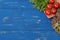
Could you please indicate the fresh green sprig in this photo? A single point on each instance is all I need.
(40, 4)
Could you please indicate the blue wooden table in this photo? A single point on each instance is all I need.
(19, 20)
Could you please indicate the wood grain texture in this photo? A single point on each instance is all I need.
(20, 21)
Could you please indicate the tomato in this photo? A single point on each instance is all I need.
(56, 5)
(53, 11)
(47, 12)
(59, 5)
(52, 1)
(49, 6)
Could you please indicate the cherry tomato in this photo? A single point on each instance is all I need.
(52, 1)
(59, 5)
(53, 11)
(49, 6)
(56, 5)
(47, 12)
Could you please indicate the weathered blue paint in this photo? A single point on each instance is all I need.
(20, 21)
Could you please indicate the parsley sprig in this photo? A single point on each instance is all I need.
(40, 4)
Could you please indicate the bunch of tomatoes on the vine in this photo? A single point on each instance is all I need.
(51, 8)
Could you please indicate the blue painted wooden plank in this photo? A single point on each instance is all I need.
(20, 21)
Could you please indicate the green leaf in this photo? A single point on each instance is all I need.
(40, 4)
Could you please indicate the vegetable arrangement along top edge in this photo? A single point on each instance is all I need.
(49, 7)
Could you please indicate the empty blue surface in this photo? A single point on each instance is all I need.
(20, 21)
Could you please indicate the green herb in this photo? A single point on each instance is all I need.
(40, 4)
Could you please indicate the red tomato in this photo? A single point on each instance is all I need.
(56, 5)
(53, 11)
(59, 5)
(52, 1)
(49, 6)
(47, 12)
